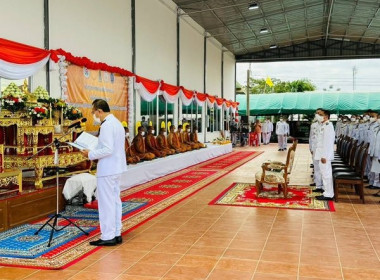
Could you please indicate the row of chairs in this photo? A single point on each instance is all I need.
(349, 165)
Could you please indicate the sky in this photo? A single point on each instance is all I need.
(324, 74)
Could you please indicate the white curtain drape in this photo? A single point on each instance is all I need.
(144, 93)
(13, 71)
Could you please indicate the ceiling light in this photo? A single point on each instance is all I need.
(264, 30)
(273, 46)
(253, 6)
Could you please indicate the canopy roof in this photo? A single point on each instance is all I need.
(308, 102)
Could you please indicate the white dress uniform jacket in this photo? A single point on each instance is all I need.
(110, 150)
(313, 136)
(281, 128)
(325, 142)
(267, 127)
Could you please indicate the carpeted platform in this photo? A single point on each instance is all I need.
(149, 200)
(299, 197)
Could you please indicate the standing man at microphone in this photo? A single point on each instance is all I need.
(112, 163)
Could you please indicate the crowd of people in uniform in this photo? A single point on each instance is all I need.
(365, 129)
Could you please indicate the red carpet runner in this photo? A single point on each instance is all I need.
(244, 194)
(159, 195)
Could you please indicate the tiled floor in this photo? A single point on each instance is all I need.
(196, 241)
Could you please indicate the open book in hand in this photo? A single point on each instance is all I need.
(85, 141)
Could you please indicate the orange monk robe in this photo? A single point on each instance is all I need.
(194, 139)
(186, 140)
(131, 157)
(182, 142)
(151, 146)
(162, 145)
(138, 147)
(174, 143)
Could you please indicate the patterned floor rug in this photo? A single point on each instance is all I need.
(299, 197)
(150, 199)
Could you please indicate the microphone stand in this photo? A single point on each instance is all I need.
(57, 215)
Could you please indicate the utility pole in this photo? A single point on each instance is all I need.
(354, 71)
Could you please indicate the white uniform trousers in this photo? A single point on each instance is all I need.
(317, 175)
(285, 142)
(269, 134)
(280, 139)
(259, 136)
(327, 178)
(374, 173)
(109, 203)
(368, 166)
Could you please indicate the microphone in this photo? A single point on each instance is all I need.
(77, 124)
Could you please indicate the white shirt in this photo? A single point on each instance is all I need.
(282, 128)
(110, 150)
(363, 127)
(372, 132)
(267, 127)
(325, 142)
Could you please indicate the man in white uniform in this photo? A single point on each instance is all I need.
(267, 130)
(281, 133)
(325, 153)
(287, 130)
(313, 138)
(112, 163)
(373, 127)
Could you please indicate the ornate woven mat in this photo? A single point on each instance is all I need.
(299, 197)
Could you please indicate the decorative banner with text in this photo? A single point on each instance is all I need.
(84, 86)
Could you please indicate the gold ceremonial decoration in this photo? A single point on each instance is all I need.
(28, 140)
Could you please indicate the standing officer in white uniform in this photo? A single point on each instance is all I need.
(112, 163)
(325, 154)
(287, 130)
(281, 133)
(313, 138)
(266, 131)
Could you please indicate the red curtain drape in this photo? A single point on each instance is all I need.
(19, 53)
(151, 86)
(187, 93)
(170, 89)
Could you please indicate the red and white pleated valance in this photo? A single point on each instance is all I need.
(19, 61)
(187, 96)
(200, 98)
(219, 103)
(147, 89)
(169, 92)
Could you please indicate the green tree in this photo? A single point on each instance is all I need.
(258, 86)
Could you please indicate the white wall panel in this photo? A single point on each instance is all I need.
(213, 68)
(156, 48)
(229, 76)
(191, 55)
(97, 29)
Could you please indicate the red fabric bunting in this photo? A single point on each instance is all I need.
(219, 101)
(201, 96)
(84, 61)
(211, 98)
(188, 93)
(234, 104)
(170, 89)
(228, 103)
(151, 86)
(14, 52)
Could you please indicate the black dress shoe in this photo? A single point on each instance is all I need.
(279, 149)
(321, 197)
(100, 242)
(318, 190)
(376, 194)
(373, 187)
(118, 239)
(312, 185)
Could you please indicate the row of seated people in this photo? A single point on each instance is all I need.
(151, 147)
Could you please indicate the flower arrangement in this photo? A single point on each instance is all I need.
(13, 98)
(38, 112)
(41, 94)
(72, 113)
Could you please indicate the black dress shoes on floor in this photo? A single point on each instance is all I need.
(118, 239)
(100, 242)
(318, 190)
(321, 197)
(312, 185)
